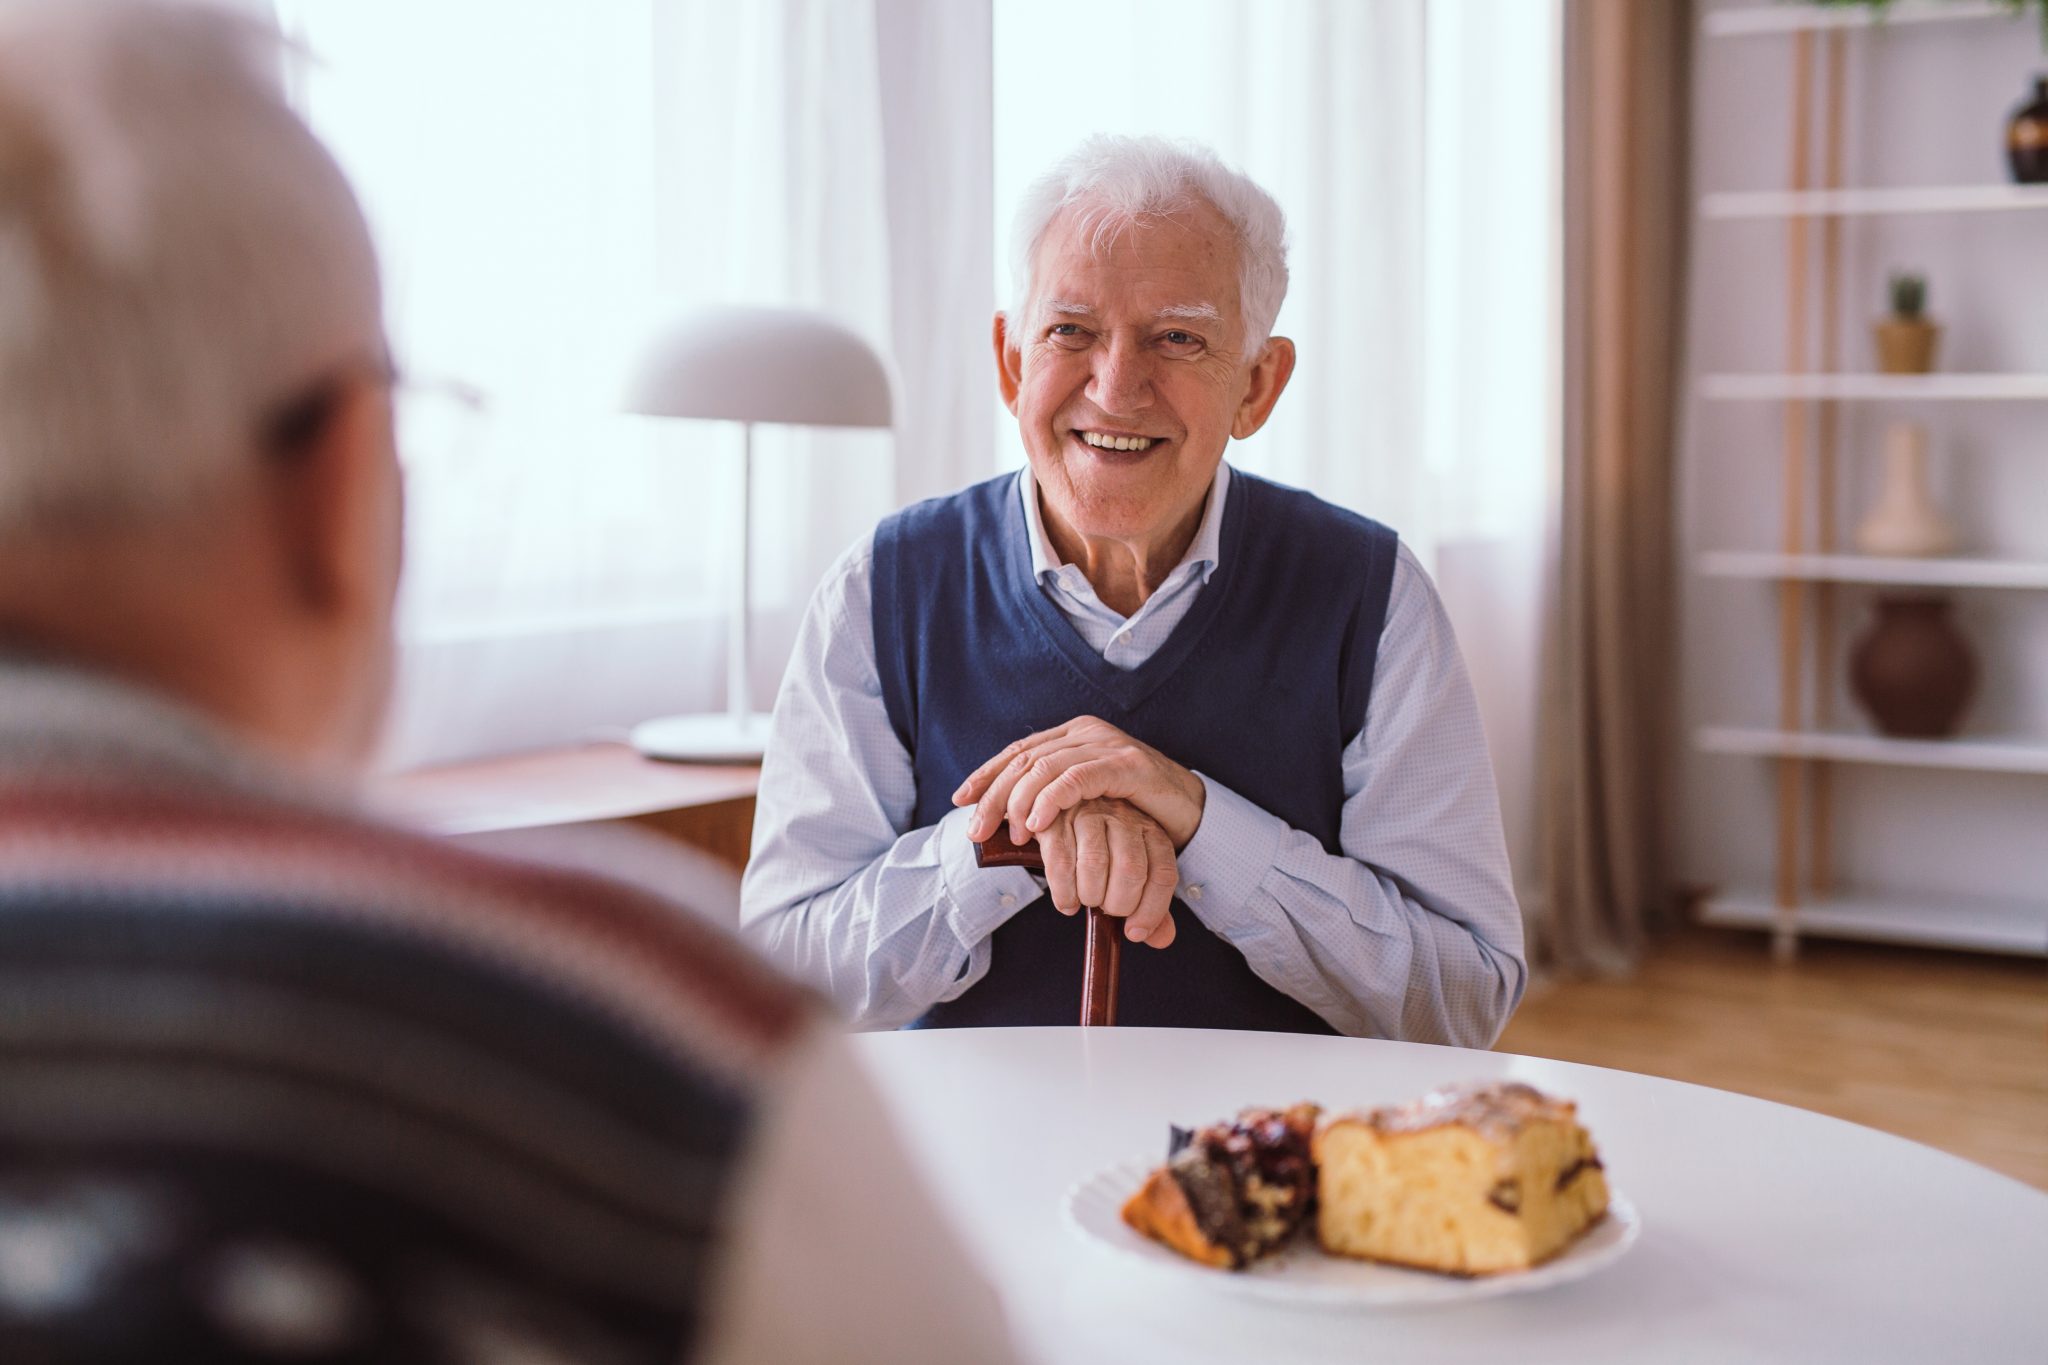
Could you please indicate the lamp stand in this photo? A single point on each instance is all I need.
(741, 734)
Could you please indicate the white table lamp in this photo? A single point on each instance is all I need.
(750, 365)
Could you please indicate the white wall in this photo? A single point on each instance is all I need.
(1926, 104)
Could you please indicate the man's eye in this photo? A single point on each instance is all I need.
(1066, 333)
(1181, 339)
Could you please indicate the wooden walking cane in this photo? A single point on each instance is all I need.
(1104, 954)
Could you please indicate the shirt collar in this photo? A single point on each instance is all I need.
(1204, 551)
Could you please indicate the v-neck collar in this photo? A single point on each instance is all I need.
(1126, 688)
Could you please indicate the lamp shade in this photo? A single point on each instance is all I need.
(782, 365)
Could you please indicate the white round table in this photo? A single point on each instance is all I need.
(1769, 1233)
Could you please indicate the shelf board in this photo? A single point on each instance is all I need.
(1754, 21)
(1854, 203)
(1927, 573)
(1986, 925)
(1990, 755)
(1875, 387)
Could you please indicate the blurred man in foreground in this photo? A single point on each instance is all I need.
(277, 1082)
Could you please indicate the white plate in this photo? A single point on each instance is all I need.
(1302, 1276)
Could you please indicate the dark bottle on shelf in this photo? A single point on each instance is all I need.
(2026, 138)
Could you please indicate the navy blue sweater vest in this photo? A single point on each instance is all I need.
(1260, 686)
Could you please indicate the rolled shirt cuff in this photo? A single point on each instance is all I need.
(1228, 859)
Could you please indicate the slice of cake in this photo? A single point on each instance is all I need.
(1468, 1181)
(1231, 1192)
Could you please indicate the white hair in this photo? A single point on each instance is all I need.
(179, 257)
(1114, 181)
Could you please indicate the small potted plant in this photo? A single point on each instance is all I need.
(1906, 339)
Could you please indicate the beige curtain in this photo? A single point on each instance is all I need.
(1608, 656)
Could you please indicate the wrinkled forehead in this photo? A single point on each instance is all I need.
(1180, 262)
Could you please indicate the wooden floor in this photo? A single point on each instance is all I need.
(1949, 1049)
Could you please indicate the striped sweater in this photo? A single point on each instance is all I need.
(279, 1082)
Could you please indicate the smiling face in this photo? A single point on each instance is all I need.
(1128, 373)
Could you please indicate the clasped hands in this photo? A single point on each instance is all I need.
(1109, 813)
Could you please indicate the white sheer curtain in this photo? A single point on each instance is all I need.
(1493, 424)
(1412, 145)
(548, 181)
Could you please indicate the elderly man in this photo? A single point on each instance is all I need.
(1229, 713)
(277, 1082)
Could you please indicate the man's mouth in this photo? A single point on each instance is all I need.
(1105, 440)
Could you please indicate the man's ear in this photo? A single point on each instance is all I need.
(335, 499)
(1270, 373)
(1009, 364)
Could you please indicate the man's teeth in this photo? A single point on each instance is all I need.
(1117, 442)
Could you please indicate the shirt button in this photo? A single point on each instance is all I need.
(1006, 900)
(1194, 891)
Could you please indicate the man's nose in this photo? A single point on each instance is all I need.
(1122, 381)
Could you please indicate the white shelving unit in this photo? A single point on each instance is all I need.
(1877, 388)
(1874, 569)
(1961, 755)
(1767, 204)
(1808, 742)
(1769, 20)
(1933, 920)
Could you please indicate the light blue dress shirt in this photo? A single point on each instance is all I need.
(1411, 932)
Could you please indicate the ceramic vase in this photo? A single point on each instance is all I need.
(2026, 137)
(1912, 670)
(1905, 521)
